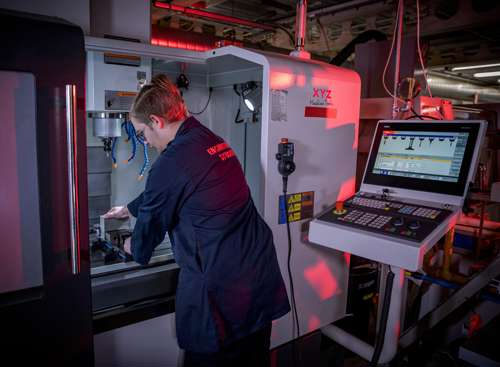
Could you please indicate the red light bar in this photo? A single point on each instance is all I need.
(213, 16)
(192, 46)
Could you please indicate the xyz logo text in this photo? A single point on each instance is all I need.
(322, 93)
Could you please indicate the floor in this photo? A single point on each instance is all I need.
(314, 350)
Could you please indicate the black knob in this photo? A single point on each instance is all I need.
(414, 225)
(398, 222)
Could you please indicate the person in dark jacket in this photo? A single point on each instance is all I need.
(230, 287)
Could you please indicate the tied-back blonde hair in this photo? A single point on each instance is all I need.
(160, 97)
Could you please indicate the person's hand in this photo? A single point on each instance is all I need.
(117, 212)
(126, 246)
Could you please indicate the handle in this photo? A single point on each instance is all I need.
(73, 197)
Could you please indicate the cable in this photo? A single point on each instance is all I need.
(421, 117)
(419, 49)
(288, 33)
(323, 32)
(237, 119)
(390, 55)
(292, 289)
(379, 343)
(349, 49)
(295, 317)
(245, 133)
(208, 101)
(424, 72)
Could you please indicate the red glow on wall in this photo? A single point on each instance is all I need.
(347, 258)
(321, 279)
(346, 189)
(344, 98)
(397, 328)
(401, 278)
(281, 80)
(301, 80)
(314, 323)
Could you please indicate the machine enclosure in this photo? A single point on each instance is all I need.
(316, 107)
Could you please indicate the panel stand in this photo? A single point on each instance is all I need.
(392, 331)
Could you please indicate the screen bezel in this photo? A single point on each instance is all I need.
(410, 183)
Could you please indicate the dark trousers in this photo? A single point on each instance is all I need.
(250, 351)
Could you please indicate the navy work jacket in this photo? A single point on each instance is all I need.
(230, 283)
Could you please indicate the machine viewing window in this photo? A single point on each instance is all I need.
(426, 156)
(21, 247)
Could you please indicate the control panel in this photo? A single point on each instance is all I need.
(377, 214)
(427, 166)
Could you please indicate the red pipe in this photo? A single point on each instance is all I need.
(213, 16)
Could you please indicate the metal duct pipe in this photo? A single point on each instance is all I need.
(446, 86)
(348, 50)
(300, 25)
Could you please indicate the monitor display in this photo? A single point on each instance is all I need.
(425, 156)
(421, 154)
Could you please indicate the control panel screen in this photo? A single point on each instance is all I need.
(424, 155)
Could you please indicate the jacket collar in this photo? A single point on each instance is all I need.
(187, 125)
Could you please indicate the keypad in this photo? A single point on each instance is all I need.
(407, 209)
(391, 218)
(380, 221)
(427, 213)
(366, 218)
(370, 203)
(352, 216)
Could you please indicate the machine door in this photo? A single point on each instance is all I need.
(45, 302)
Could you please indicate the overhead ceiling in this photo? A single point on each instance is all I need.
(455, 32)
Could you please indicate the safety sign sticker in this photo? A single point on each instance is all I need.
(300, 206)
(279, 105)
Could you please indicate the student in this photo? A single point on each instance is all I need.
(230, 286)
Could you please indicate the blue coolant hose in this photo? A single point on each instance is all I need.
(113, 156)
(129, 128)
(132, 136)
(146, 158)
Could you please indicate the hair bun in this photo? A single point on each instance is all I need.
(161, 81)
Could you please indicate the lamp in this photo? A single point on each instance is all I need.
(252, 95)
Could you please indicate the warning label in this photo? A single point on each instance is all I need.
(279, 105)
(118, 100)
(300, 206)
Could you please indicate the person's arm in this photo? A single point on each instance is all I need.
(155, 214)
(133, 206)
